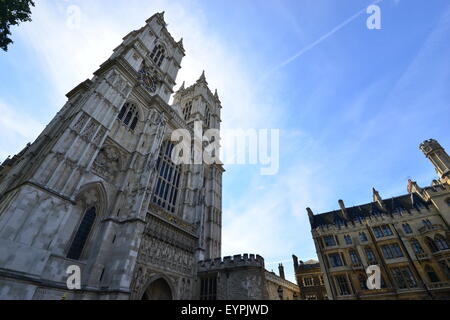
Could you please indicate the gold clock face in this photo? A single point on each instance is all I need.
(148, 80)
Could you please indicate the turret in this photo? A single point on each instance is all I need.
(438, 157)
(310, 216)
(281, 270)
(377, 199)
(295, 260)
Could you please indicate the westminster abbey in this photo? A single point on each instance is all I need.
(98, 190)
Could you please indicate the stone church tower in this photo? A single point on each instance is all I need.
(97, 189)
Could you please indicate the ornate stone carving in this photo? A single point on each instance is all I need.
(107, 163)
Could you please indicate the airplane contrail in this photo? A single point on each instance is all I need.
(322, 38)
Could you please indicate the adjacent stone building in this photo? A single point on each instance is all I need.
(310, 279)
(242, 277)
(407, 237)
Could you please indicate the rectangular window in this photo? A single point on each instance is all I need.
(348, 239)
(342, 285)
(377, 231)
(335, 260)
(407, 228)
(387, 253)
(370, 255)
(386, 230)
(404, 278)
(329, 241)
(382, 231)
(392, 251)
(308, 282)
(355, 258)
(208, 288)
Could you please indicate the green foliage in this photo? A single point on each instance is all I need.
(12, 12)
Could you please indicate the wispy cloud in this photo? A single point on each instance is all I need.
(16, 129)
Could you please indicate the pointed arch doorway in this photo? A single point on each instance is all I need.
(158, 290)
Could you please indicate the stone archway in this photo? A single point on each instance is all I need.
(158, 290)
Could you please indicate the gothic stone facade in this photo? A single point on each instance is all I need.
(97, 188)
(407, 237)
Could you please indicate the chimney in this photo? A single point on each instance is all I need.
(295, 259)
(281, 270)
(343, 209)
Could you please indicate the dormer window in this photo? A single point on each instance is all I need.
(157, 55)
(129, 115)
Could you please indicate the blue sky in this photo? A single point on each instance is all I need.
(352, 108)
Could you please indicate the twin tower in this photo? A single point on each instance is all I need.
(98, 190)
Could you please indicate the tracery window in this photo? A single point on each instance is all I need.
(167, 187)
(157, 54)
(82, 234)
(129, 115)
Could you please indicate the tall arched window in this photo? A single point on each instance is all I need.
(207, 116)
(441, 242)
(84, 229)
(167, 186)
(157, 54)
(129, 115)
(187, 110)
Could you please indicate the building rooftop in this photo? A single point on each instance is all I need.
(404, 203)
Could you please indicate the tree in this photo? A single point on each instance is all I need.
(12, 12)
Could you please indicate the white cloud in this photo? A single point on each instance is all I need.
(16, 129)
